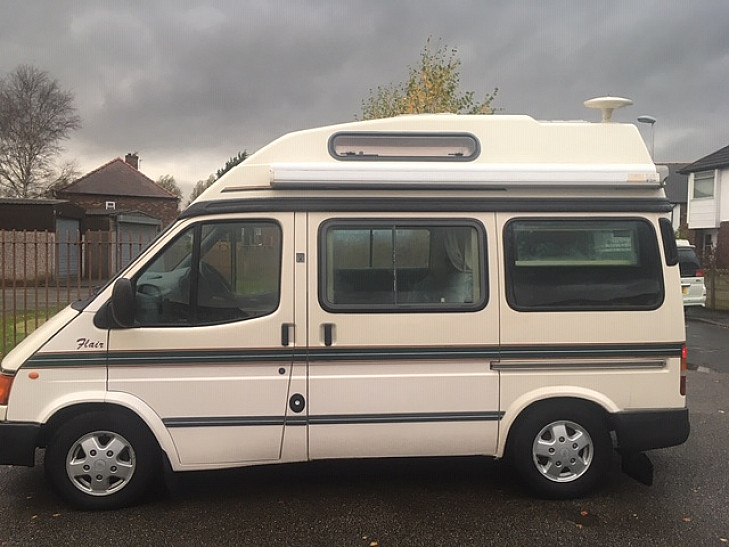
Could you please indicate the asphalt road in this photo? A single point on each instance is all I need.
(467, 501)
(708, 345)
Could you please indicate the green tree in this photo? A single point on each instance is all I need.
(169, 183)
(432, 86)
(232, 162)
(200, 187)
(35, 116)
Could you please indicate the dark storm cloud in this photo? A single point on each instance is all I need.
(188, 84)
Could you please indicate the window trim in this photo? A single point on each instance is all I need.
(406, 307)
(508, 252)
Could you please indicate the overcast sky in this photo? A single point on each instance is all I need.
(188, 84)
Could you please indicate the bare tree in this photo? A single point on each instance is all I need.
(62, 176)
(35, 116)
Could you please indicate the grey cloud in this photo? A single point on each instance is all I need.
(188, 84)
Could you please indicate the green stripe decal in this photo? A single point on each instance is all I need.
(339, 419)
(169, 357)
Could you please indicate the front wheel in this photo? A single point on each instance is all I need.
(100, 460)
(561, 449)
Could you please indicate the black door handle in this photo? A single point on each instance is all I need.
(328, 331)
(285, 333)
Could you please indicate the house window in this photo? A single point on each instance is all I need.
(704, 184)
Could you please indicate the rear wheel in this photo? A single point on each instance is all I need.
(101, 460)
(561, 449)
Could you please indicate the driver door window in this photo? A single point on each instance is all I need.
(212, 273)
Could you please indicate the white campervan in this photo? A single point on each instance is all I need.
(414, 286)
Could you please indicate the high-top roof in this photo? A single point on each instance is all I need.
(427, 150)
(117, 178)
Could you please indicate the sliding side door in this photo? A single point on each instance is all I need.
(403, 327)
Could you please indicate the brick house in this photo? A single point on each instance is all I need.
(120, 186)
(708, 205)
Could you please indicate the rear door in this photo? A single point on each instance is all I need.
(403, 327)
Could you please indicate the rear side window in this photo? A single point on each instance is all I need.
(688, 262)
(402, 266)
(570, 265)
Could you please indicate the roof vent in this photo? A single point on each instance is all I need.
(607, 105)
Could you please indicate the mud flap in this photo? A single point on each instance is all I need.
(171, 479)
(638, 466)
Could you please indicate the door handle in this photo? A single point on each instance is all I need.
(285, 333)
(328, 333)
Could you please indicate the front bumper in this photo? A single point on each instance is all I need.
(638, 431)
(17, 443)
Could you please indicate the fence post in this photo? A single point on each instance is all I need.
(2, 292)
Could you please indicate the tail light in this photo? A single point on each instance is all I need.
(684, 368)
(5, 382)
(699, 273)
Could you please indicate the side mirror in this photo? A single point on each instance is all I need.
(669, 242)
(121, 306)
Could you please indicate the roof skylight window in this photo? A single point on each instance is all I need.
(383, 146)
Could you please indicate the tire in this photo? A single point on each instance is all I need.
(102, 460)
(561, 449)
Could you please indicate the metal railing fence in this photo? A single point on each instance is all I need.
(42, 272)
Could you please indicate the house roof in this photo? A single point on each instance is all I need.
(117, 178)
(32, 201)
(715, 160)
(676, 184)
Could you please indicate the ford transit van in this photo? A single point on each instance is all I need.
(429, 285)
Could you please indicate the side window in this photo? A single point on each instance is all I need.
(162, 289)
(212, 273)
(403, 266)
(563, 265)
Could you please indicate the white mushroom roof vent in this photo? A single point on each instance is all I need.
(607, 105)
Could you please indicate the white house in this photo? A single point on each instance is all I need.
(708, 205)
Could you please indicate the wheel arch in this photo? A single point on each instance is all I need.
(121, 404)
(594, 401)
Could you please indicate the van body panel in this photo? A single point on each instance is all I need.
(37, 339)
(69, 367)
(79, 343)
(202, 380)
(615, 387)
(52, 393)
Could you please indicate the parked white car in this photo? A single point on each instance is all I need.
(692, 275)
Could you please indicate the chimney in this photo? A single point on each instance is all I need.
(132, 159)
